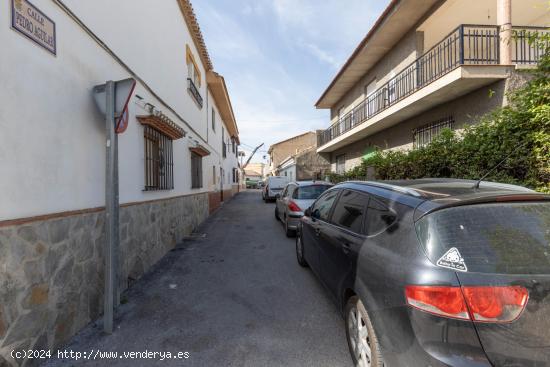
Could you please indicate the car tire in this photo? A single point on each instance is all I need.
(300, 252)
(362, 340)
(288, 232)
(277, 213)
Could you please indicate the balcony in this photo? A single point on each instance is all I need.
(194, 91)
(465, 60)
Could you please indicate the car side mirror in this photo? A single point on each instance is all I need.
(307, 213)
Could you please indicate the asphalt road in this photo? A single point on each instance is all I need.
(236, 297)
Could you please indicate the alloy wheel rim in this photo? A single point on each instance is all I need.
(359, 338)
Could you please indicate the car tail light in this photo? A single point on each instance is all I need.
(293, 207)
(482, 304)
(495, 304)
(443, 301)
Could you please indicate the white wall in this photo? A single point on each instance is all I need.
(483, 12)
(150, 37)
(289, 171)
(52, 140)
(216, 158)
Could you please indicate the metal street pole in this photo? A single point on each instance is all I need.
(111, 208)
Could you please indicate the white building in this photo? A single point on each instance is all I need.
(173, 170)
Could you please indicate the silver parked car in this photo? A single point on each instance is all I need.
(295, 199)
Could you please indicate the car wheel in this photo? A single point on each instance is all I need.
(300, 252)
(362, 341)
(288, 232)
(276, 213)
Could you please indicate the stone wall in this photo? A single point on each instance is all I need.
(51, 270)
(311, 166)
(214, 201)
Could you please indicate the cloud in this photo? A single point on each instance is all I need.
(323, 55)
(277, 57)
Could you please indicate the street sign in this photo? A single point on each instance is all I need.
(28, 20)
(123, 93)
(112, 100)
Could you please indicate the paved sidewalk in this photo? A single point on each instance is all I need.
(236, 297)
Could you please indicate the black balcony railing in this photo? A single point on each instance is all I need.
(466, 45)
(524, 49)
(194, 92)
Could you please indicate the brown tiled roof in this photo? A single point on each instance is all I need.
(195, 30)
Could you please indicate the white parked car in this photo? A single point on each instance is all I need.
(273, 185)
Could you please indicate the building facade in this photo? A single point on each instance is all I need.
(177, 156)
(427, 65)
(304, 165)
(280, 151)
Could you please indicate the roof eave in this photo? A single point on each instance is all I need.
(217, 86)
(196, 34)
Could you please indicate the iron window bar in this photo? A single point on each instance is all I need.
(425, 134)
(467, 44)
(192, 88)
(159, 163)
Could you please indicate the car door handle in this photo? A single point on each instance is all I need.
(346, 248)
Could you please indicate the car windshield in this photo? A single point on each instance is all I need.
(506, 238)
(309, 192)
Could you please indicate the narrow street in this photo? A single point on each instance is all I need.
(235, 297)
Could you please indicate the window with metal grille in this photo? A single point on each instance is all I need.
(196, 171)
(425, 134)
(159, 162)
(213, 119)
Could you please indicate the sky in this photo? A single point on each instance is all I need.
(277, 58)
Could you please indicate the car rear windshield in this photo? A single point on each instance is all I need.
(505, 238)
(309, 192)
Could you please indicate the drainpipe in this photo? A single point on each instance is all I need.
(504, 20)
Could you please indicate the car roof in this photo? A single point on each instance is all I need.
(311, 182)
(437, 193)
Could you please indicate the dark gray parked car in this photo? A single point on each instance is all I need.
(435, 272)
(295, 198)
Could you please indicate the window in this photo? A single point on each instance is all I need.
(224, 149)
(196, 171)
(370, 88)
(290, 191)
(505, 238)
(159, 173)
(193, 72)
(349, 210)
(213, 175)
(193, 77)
(309, 192)
(340, 113)
(379, 217)
(341, 163)
(233, 145)
(425, 134)
(391, 88)
(213, 119)
(321, 208)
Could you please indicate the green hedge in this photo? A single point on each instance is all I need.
(521, 129)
